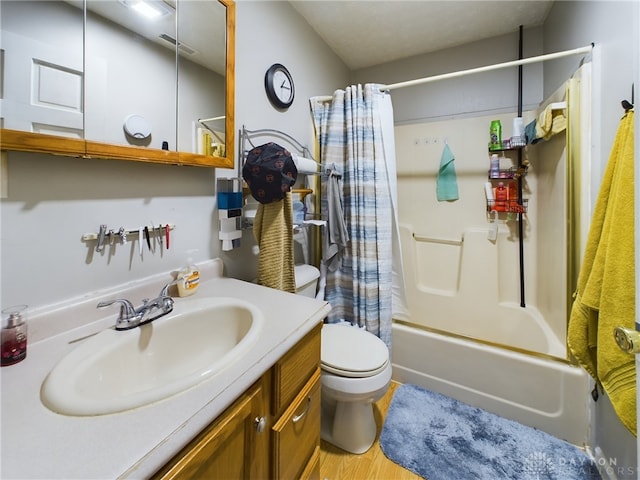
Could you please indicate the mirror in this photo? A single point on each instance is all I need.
(201, 77)
(130, 75)
(42, 79)
(189, 109)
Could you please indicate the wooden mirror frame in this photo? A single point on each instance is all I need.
(15, 140)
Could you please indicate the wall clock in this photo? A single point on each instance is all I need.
(278, 84)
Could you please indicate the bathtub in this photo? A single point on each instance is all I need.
(539, 391)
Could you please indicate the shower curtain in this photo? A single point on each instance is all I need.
(356, 137)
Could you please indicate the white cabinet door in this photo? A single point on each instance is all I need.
(42, 87)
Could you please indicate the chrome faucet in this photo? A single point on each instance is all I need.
(131, 317)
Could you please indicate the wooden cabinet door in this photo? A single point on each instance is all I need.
(233, 447)
(296, 435)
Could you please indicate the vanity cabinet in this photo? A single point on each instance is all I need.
(270, 431)
(235, 445)
(296, 410)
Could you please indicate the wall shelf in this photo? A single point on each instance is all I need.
(509, 206)
(512, 173)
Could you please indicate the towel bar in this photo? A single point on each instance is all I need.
(444, 241)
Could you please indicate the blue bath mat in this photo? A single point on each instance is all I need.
(440, 438)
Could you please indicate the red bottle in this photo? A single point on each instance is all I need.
(502, 198)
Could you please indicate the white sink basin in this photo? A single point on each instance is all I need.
(115, 371)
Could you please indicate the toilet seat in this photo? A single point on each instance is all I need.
(350, 352)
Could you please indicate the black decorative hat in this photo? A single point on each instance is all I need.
(270, 172)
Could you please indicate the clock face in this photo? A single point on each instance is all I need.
(279, 86)
(282, 85)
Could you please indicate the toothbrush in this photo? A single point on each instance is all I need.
(160, 237)
(153, 232)
(146, 236)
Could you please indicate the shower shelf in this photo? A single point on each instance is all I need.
(509, 173)
(507, 148)
(510, 206)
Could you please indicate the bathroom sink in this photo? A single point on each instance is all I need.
(115, 371)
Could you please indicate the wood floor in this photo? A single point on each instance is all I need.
(336, 464)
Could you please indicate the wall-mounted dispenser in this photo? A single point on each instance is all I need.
(229, 195)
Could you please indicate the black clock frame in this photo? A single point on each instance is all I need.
(270, 87)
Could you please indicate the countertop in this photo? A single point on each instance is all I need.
(38, 443)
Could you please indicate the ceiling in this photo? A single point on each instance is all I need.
(364, 33)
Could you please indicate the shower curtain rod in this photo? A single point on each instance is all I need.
(497, 66)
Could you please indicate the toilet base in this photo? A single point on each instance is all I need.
(350, 426)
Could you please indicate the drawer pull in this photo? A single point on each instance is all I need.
(260, 423)
(297, 418)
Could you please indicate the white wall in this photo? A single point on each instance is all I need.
(480, 94)
(612, 26)
(267, 33)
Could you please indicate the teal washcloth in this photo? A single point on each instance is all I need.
(447, 184)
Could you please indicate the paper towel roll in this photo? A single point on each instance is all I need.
(305, 165)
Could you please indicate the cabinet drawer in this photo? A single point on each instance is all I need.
(297, 433)
(293, 370)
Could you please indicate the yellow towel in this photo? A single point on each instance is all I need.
(605, 297)
(273, 229)
(550, 122)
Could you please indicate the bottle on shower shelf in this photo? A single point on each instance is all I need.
(494, 168)
(495, 135)
(501, 198)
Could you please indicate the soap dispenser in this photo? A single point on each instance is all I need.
(14, 335)
(188, 279)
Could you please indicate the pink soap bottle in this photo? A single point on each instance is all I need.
(14, 335)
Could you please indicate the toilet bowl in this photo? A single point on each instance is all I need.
(355, 372)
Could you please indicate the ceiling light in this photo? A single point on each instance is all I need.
(148, 8)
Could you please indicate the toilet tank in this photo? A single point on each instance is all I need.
(306, 280)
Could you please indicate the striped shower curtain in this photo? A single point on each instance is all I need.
(355, 132)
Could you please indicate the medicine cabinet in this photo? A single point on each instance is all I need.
(77, 74)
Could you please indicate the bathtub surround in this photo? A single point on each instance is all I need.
(441, 438)
(605, 297)
(355, 131)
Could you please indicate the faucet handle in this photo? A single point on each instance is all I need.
(127, 310)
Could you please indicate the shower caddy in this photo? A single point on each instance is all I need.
(519, 206)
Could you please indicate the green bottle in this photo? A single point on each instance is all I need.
(495, 135)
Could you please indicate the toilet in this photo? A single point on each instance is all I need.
(355, 372)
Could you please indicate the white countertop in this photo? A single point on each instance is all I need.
(37, 443)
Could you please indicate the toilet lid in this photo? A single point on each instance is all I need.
(350, 352)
